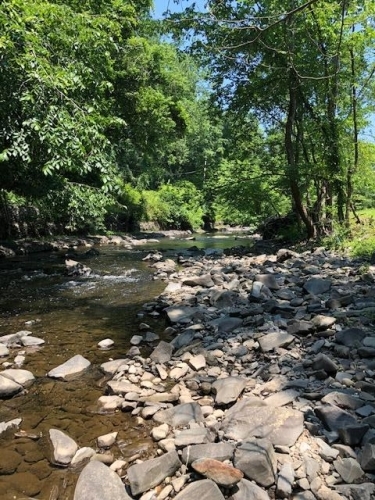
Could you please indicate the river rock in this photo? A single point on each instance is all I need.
(30, 341)
(64, 447)
(282, 426)
(350, 337)
(285, 481)
(162, 352)
(82, 455)
(99, 482)
(105, 343)
(334, 418)
(74, 366)
(274, 340)
(111, 367)
(177, 314)
(146, 475)
(228, 389)
(4, 426)
(204, 280)
(21, 377)
(123, 387)
(193, 436)
(349, 469)
(317, 286)
(364, 491)
(343, 400)
(256, 458)
(323, 362)
(180, 415)
(74, 268)
(222, 474)
(107, 440)
(8, 387)
(4, 351)
(218, 451)
(368, 457)
(246, 490)
(204, 490)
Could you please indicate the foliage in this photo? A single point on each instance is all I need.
(177, 206)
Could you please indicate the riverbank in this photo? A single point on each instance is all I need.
(262, 387)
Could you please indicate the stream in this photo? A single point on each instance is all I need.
(72, 315)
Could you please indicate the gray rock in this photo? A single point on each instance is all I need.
(284, 254)
(352, 434)
(326, 452)
(204, 280)
(4, 351)
(364, 491)
(246, 490)
(228, 389)
(204, 490)
(180, 415)
(218, 451)
(317, 286)
(343, 400)
(274, 340)
(285, 481)
(29, 341)
(368, 457)
(269, 280)
(111, 367)
(334, 418)
(179, 313)
(282, 398)
(146, 475)
(194, 436)
(74, 366)
(282, 426)
(226, 324)
(162, 352)
(296, 327)
(183, 339)
(323, 362)
(322, 322)
(351, 337)
(99, 482)
(8, 387)
(256, 458)
(64, 447)
(349, 469)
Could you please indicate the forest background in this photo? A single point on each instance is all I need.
(112, 116)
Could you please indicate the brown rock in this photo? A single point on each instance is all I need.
(220, 473)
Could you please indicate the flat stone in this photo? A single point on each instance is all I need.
(197, 362)
(82, 455)
(21, 377)
(325, 451)
(228, 389)
(204, 490)
(99, 482)
(146, 475)
(274, 340)
(334, 418)
(269, 280)
(322, 322)
(105, 343)
(256, 458)
(194, 436)
(204, 280)
(4, 426)
(296, 327)
(107, 440)
(226, 324)
(364, 491)
(177, 314)
(282, 426)
(122, 387)
(323, 362)
(368, 457)
(349, 469)
(282, 398)
(111, 367)
(317, 286)
(110, 403)
(64, 447)
(343, 400)
(162, 352)
(8, 387)
(30, 341)
(352, 434)
(218, 451)
(180, 415)
(74, 366)
(351, 337)
(222, 474)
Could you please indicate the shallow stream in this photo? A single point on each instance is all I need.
(72, 315)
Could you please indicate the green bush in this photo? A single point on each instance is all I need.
(175, 206)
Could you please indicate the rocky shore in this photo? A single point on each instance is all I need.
(262, 387)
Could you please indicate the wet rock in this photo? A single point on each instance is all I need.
(222, 474)
(82, 455)
(107, 440)
(204, 490)
(21, 377)
(257, 460)
(111, 367)
(105, 343)
(8, 387)
(282, 426)
(228, 389)
(9, 461)
(71, 368)
(4, 426)
(218, 451)
(74, 268)
(30, 341)
(146, 475)
(98, 482)
(122, 387)
(64, 447)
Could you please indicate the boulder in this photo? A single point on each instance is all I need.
(204, 490)
(71, 368)
(64, 447)
(256, 458)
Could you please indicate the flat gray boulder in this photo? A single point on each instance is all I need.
(217, 451)
(317, 286)
(256, 458)
(74, 366)
(99, 482)
(282, 426)
(228, 389)
(204, 490)
(180, 415)
(148, 474)
(274, 340)
(179, 313)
